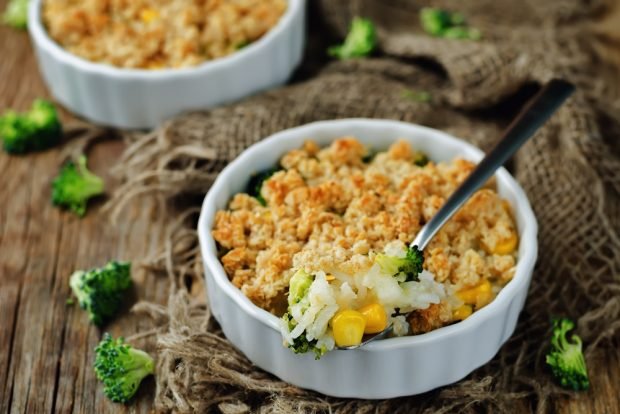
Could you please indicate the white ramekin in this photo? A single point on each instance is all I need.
(389, 368)
(132, 98)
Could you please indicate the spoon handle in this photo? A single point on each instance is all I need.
(532, 117)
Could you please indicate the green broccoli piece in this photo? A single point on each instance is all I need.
(360, 41)
(255, 184)
(298, 286)
(442, 23)
(566, 358)
(121, 368)
(16, 14)
(420, 159)
(100, 291)
(462, 33)
(35, 130)
(410, 266)
(301, 345)
(417, 96)
(435, 21)
(75, 185)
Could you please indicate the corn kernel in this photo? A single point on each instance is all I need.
(348, 327)
(149, 15)
(329, 278)
(506, 246)
(476, 294)
(376, 318)
(462, 312)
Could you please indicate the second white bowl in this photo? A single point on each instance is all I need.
(133, 98)
(383, 369)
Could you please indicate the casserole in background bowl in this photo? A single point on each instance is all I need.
(383, 369)
(139, 98)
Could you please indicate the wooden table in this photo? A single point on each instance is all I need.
(46, 347)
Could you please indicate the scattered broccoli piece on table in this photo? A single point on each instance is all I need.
(100, 291)
(75, 185)
(34, 130)
(255, 184)
(121, 368)
(442, 23)
(410, 265)
(566, 358)
(360, 41)
(417, 96)
(16, 14)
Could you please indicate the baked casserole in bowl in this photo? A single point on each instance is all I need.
(319, 252)
(133, 65)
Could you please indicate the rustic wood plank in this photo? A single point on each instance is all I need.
(46, 347)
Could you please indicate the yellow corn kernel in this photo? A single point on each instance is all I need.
(485, 294)
(506, 246)
(148, 15)
(470, 296)
(329, 278)
(348, 327)
(462, 312)
(376, 318)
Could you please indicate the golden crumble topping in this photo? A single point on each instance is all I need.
(333, 208)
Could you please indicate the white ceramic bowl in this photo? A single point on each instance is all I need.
(133, 98)
(387, 368)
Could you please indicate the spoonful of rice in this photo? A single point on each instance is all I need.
(529, 120)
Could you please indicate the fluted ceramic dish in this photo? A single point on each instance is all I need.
(386, 368)
(137, 98)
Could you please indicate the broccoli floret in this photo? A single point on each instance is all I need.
(121, 368)
(255, 184)
(298, 286)
(301, 345)
(360, 41)
(442, 23)
(410, 265)
(420, 159)
(16, 14)
(35, 130)
(435, 21)
(566, 358)
(75, 185)
(100, 291)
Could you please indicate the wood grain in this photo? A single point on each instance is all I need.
(46, 347)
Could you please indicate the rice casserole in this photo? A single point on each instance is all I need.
(157, 34)
(334, 212)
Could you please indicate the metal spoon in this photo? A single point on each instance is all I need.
(529, 120)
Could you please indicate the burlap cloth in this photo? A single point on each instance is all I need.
(570, 171)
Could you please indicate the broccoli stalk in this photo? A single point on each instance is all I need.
(256, 182)
(16, 14)
(566, 358)
(75, 185)
(121, 368)
(360, 41)
(100, 291)
(410, 265)
(35, 130)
